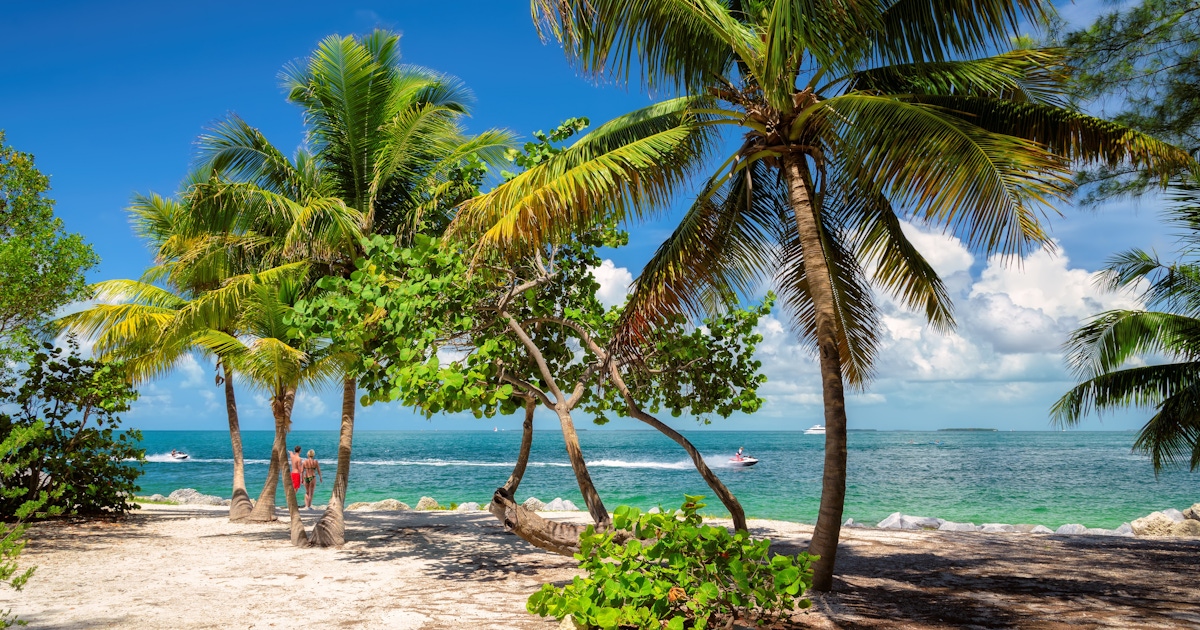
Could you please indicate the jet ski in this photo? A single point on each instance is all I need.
(744, 462)
(179, 455)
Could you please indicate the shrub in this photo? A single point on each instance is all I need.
(78, 458)
(672, 571)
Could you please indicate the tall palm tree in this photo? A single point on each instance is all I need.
(855, 114)
(1100, 351)
(388, 143)
(272, 359)
(132, 316)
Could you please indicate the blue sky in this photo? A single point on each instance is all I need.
(110, 97)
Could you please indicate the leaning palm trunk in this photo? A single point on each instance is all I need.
(833, 487)
(330, 531)
(514, 480)
(582, 477)
(239, 505)
(282, 406)
(264, 508)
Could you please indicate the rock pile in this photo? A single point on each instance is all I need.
(1170, 522)
(427, 503)
(191, 496)
(384, 505)
(469, 506)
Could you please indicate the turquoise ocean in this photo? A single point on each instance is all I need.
(1050, 478)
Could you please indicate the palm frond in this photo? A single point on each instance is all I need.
(1022, 75)
(989, 188)
(1107, 341)
(1143, 387)
(943, 30)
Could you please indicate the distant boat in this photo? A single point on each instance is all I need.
(495, 429)
(178, 455)
(816, 429)
(744, 462)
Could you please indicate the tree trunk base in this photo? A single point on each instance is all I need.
(330, 530)
(264, 515)
(555, 537)
(240, 506)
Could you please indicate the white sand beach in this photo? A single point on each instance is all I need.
(189, 567)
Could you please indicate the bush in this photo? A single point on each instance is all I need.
(675, 572)
(77, 460)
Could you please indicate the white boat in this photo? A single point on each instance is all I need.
(179, 455)
(744, 462)
(816, 429)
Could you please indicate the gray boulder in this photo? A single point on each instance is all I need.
(427, 503)
(1174, 515)
(949, 526)
(361, 505)
(1125, 529)
(997, 528)
(469, 506)
(1041, 529)
(558, 505)
(1073, 528)
(892, 521)
(156, 497)
(190, 496)
(532, 503)
(394, 505)
(1153, 524)
(1100, 531)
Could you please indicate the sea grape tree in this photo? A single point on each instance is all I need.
(440, 332)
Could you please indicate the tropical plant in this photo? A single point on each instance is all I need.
(670, 570)
(42, 266)
(268, 354)
(140, 322)
(16, 455)
(390, 156)
(1109, 352)
(533, 331)
(856, 116)
(73, 456)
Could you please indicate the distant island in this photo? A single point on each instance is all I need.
(968, 429)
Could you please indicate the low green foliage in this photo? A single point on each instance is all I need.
(675, 572)
(79, 461)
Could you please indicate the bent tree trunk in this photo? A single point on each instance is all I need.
(514, 480)
(239, 505)
(575, 454)
(727, 499)
(281, 406)
(330, 531)
(820, 286)
(264, 508)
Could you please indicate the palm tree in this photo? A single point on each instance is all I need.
(130, 321)
(269, 357)
(388, 149)
(1100, 351)
(855, 114)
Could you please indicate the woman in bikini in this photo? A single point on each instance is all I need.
(312, 470)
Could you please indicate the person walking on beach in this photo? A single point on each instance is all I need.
(312, 469)
(297, 465)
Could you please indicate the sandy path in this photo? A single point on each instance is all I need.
(188, 567)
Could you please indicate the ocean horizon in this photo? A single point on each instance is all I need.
(1038, 477)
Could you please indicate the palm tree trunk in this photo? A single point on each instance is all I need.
(282, 406)
(514, 480)
(575, 454)
(833, 483)
(239, 505)
(330, 531)
(264, 508)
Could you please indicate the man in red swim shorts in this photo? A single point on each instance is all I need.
(297, 464)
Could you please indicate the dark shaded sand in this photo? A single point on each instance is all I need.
(188, 567)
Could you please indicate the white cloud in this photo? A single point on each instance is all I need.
(193, 374)
(614, 283)
(309, 405)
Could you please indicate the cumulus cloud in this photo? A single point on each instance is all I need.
(193, 374)
(614, 283)
(1013, 317)
(309, 405)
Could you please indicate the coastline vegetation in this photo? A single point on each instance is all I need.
(397, 256)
